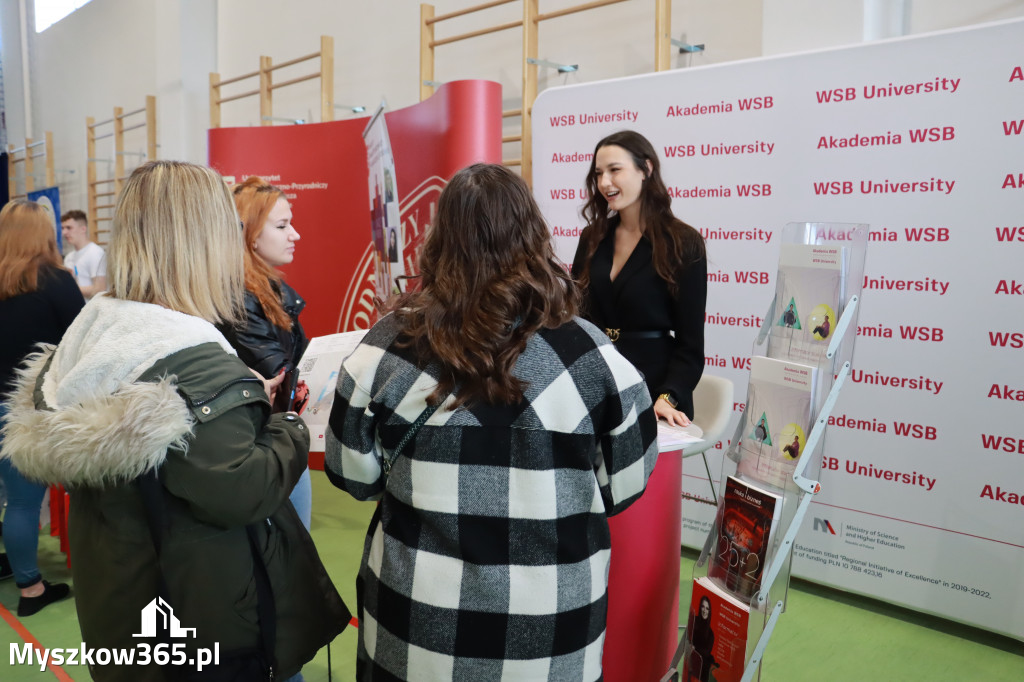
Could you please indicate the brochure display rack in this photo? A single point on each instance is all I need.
(800, 360)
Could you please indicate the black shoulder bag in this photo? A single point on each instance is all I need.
(410, 433)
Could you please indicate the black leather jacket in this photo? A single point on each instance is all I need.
(262, 345)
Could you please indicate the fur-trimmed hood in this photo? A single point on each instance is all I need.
(89, 421)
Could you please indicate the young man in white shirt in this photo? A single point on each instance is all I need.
(88, 262)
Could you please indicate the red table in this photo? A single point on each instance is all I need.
(643, 580)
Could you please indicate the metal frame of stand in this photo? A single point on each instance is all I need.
(805, 488)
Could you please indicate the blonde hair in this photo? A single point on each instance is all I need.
(28, 241)
(176, 242)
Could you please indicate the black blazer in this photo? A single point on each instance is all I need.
(639, 300)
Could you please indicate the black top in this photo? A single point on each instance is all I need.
(40, 316)
(265, 347)
(703, 640)
(639, 300)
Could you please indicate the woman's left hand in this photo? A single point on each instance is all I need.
(270, 385)
(670, 414)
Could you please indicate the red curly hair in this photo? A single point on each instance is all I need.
(254, 199)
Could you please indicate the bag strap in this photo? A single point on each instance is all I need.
(410, 433)
(266, 608)
(266, 611)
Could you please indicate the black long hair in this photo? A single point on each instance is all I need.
(675, 244)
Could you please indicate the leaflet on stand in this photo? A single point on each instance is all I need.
(746, 523)
(776, 420)
(716, 634)
(808, 301)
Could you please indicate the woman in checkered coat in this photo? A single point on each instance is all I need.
(488, 556)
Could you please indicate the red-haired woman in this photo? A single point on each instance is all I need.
(490, 557)
(643, 272)
(271, 340)
(38, 301)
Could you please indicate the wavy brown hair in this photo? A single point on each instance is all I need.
(674, 243)
(254, 199)
(489, 281)
(28, 241)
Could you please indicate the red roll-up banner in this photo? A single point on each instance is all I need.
(323, 170)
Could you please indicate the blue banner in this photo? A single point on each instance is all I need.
(50, 198)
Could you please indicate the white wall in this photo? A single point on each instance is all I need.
(112, 53)
(186, 52)
(115, 52)
(936, 15)
(95, 59)
(799, 25)
(377, 46)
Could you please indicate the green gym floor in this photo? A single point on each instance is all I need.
(825, 635)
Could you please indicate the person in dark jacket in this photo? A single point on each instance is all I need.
(178, 472)
(643, 272)
(702, 642)
(271, 340)
(38, 300)
(393, 245)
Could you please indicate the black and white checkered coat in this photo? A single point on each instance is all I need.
(490, 561)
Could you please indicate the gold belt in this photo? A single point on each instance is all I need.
(645, 334)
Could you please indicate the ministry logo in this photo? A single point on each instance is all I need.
(824, 526)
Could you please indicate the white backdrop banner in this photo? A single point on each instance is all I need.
(922, 138)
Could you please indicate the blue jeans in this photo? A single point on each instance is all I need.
(302, 499)
(21, 523)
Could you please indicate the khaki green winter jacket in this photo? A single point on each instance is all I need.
(201, 419)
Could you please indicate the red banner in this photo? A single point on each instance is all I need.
(322, 168)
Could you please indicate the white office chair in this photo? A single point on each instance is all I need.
(712, 407)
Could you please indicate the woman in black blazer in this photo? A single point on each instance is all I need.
(643, 272)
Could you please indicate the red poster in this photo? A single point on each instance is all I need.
(322, 168)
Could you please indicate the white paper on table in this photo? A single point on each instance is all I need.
(672, 437)
(319, 368)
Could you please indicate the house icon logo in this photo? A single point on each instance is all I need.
(158, 616)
